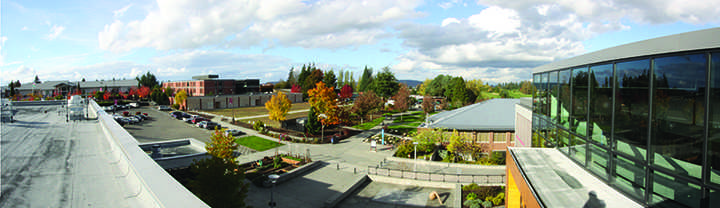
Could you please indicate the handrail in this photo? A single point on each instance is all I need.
(444, 177)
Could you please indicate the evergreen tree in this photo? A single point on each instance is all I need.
(366, 80)
(304, 73)
(37, 80)
(329, 79)
(147, 80)
(385, 84)
(291, 80)
(341, 78)
(312, 126)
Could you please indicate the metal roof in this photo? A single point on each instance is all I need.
(696, 40)
(46, 85)
(491, 115)
(109, 83)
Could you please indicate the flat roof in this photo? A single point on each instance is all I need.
(560, 182)
(689, 41)
(490, 115)
(50, 162)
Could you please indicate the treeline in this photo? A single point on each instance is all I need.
(383, 83)
(460, 92)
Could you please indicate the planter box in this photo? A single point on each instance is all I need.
(290, 161)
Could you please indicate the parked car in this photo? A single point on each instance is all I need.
(198, 119)
(164, 108)
(211, 125)
(189, 118)
(134, 105)
(201, 124)
(234, 132)
(139, 117)
(176, 114)
(185, 115)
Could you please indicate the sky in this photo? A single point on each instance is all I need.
(495, 41)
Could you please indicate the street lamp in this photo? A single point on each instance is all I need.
(415, 164)
(273, 179)
(322, 131)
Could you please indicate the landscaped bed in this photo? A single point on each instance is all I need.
(258, 171)
(482, 196)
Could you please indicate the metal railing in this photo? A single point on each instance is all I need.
(438, 177)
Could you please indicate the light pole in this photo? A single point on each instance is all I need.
(415, 163)
(322, 131)
(273, 179)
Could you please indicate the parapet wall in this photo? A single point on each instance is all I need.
(154, 185)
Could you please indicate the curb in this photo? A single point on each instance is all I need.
(338, 197)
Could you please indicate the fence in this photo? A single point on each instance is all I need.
(438, 177)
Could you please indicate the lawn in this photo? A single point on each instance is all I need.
(276, 124)
(254, 111)
(403, 129)
(369, 125)
(257, 143)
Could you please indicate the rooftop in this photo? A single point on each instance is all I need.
(559, 182)
(490, 115)
(696, 40)
(49, 162)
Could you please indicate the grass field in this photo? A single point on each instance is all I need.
(276, 124)
(254, 111)
(257, 143)
(369, 125)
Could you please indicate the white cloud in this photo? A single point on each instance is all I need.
(120, 12)
(22, 73)
(496, 20)
(55, 31)
(24, 28)
(245, 23)
(448, 21)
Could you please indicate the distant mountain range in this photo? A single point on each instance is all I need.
(409, 83)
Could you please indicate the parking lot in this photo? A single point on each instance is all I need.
(162, 127)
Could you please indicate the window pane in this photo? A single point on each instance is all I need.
(577, 149)
(580, 100)
(714, 120)
(631, 107)
(601, 102)
(598, 161)
(499, 137)
(669, 191)
(536, 96)
(564, 98)
(630, 177)
(563, 140)
(678, 113)
(553, 98)
(543, 94)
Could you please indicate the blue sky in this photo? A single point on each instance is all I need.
(496, 41)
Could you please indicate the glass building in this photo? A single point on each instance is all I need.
(643, 117)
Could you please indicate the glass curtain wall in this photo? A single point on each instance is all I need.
(649, 125)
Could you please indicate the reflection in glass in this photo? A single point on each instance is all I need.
(553, 98)
(714, 120)
(563, 140)
(631, 107)
(678, 113)
(598, 161)
(577, 149)
(580, 100)
(564, 97)
(669, 191)
(630, 176)
(601, 103)
(543, 94)
(535, 94)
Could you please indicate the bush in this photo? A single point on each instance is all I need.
(406, 148)
(471, 196)
(483, 191)
(176, 106)
(475, 203)
(259, 126)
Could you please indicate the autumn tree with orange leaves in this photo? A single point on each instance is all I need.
(322, 99)
(278, 106)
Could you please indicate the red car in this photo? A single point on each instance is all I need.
(198, 119)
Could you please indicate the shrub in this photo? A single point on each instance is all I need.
(406, 148)
(259, 126)
(471, 196)
(176, 106)
(475, 203)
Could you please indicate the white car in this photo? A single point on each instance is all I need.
(188, 119)
(134, 105)
(201, 124)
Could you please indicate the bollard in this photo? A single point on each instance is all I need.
(338, 166)
(354, 170)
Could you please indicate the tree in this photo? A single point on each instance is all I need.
(366, 80)
(295, 89)
(218, 180)
(346, 92)
(11, 85)
(402, 99)
(322, 99)
(312, 126)
(421, 87)
(222, 145)
(180, 98)
(385, 84)
(366, 103)
(292, 79)
(438, 85)
(143, 92)
(427, 105)
(160, 97)
(37, 80)
(330, 80)
(147, 80)
(218, 183)
(278, 106)
(313, 78)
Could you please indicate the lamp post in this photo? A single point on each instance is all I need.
(322, 131)
(273, 179)
(415, 164)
